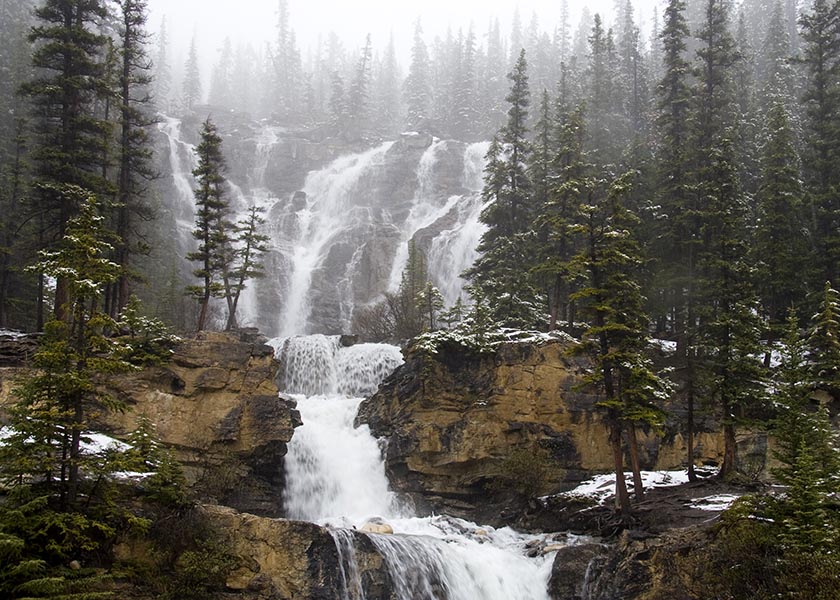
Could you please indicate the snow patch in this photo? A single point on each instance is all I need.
(9, 333)
(717, 503)
(602, 487)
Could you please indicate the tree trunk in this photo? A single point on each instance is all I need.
(692, 476)
(729, 442)
(633, 445)
(622, 498)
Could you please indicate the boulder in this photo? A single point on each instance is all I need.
(376, 527)
(276, 559)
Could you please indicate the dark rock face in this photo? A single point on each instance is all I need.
(16, 350)
(570, 570)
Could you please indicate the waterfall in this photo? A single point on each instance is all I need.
(335, 475)
(325, 216)
(182, 161)
(343, 241)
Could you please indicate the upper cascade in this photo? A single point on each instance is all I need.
(339, 219)
(319, 365)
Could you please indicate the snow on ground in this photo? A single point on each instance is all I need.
(91, 443)
(12, 334)
(717, 503)
(98, 443)
(602, 487)
(665, 346)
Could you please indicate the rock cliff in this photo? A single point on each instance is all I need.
(217, 405)
(452, 418)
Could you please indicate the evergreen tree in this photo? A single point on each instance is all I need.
(430, 305)
(726, 304)
(55, 402)
(464, 93)
(250, 244)
(135, 154)
(823, 343)
(70, 138)
(162, 71)
(17, 293)
(501, 273)
(221, 82)
(809, 455)
(417, 92)
(358, 96)
(388, 100)
(821, 55)
(556, 240)
(616, 337)
(191, 89)
(212, 229)
(780, 249)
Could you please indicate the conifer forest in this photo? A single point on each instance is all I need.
(653, 185)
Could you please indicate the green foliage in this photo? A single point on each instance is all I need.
(527, 471)
(149, 342)
(748, 558)
(201, 573)
(823, 343)
(212, 229)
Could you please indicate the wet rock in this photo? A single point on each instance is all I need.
(376, 527)
(569, 571)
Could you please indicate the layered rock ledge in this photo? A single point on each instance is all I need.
(451, 418)
(217, 405)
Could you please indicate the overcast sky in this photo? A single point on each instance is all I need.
(254, 20)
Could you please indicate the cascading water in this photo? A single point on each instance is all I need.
(335, 475)
(453, 250)
(327, 214)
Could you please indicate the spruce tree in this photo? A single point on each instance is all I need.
(556, 241)
(821, 55)
(249, 246)
(135, 155)
(728, 327)
(55, 402)
(191, 89)
(71, 139)
(780, 250)
(212, 229)
(501, 273)
(615, 340)
(417, 92)
(823, 343)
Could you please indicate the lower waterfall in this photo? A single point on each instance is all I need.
(335, 476)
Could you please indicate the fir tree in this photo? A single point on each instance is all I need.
(135, 153)
(821, 55)
(212, 229)
(49, 420)
(417, 92)
(616, 337)
(250, 244)
(191, 89)
(556, 240)
(71, 139)
(429, 305)
(501, 273)
(823, 343)
(781, 248)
